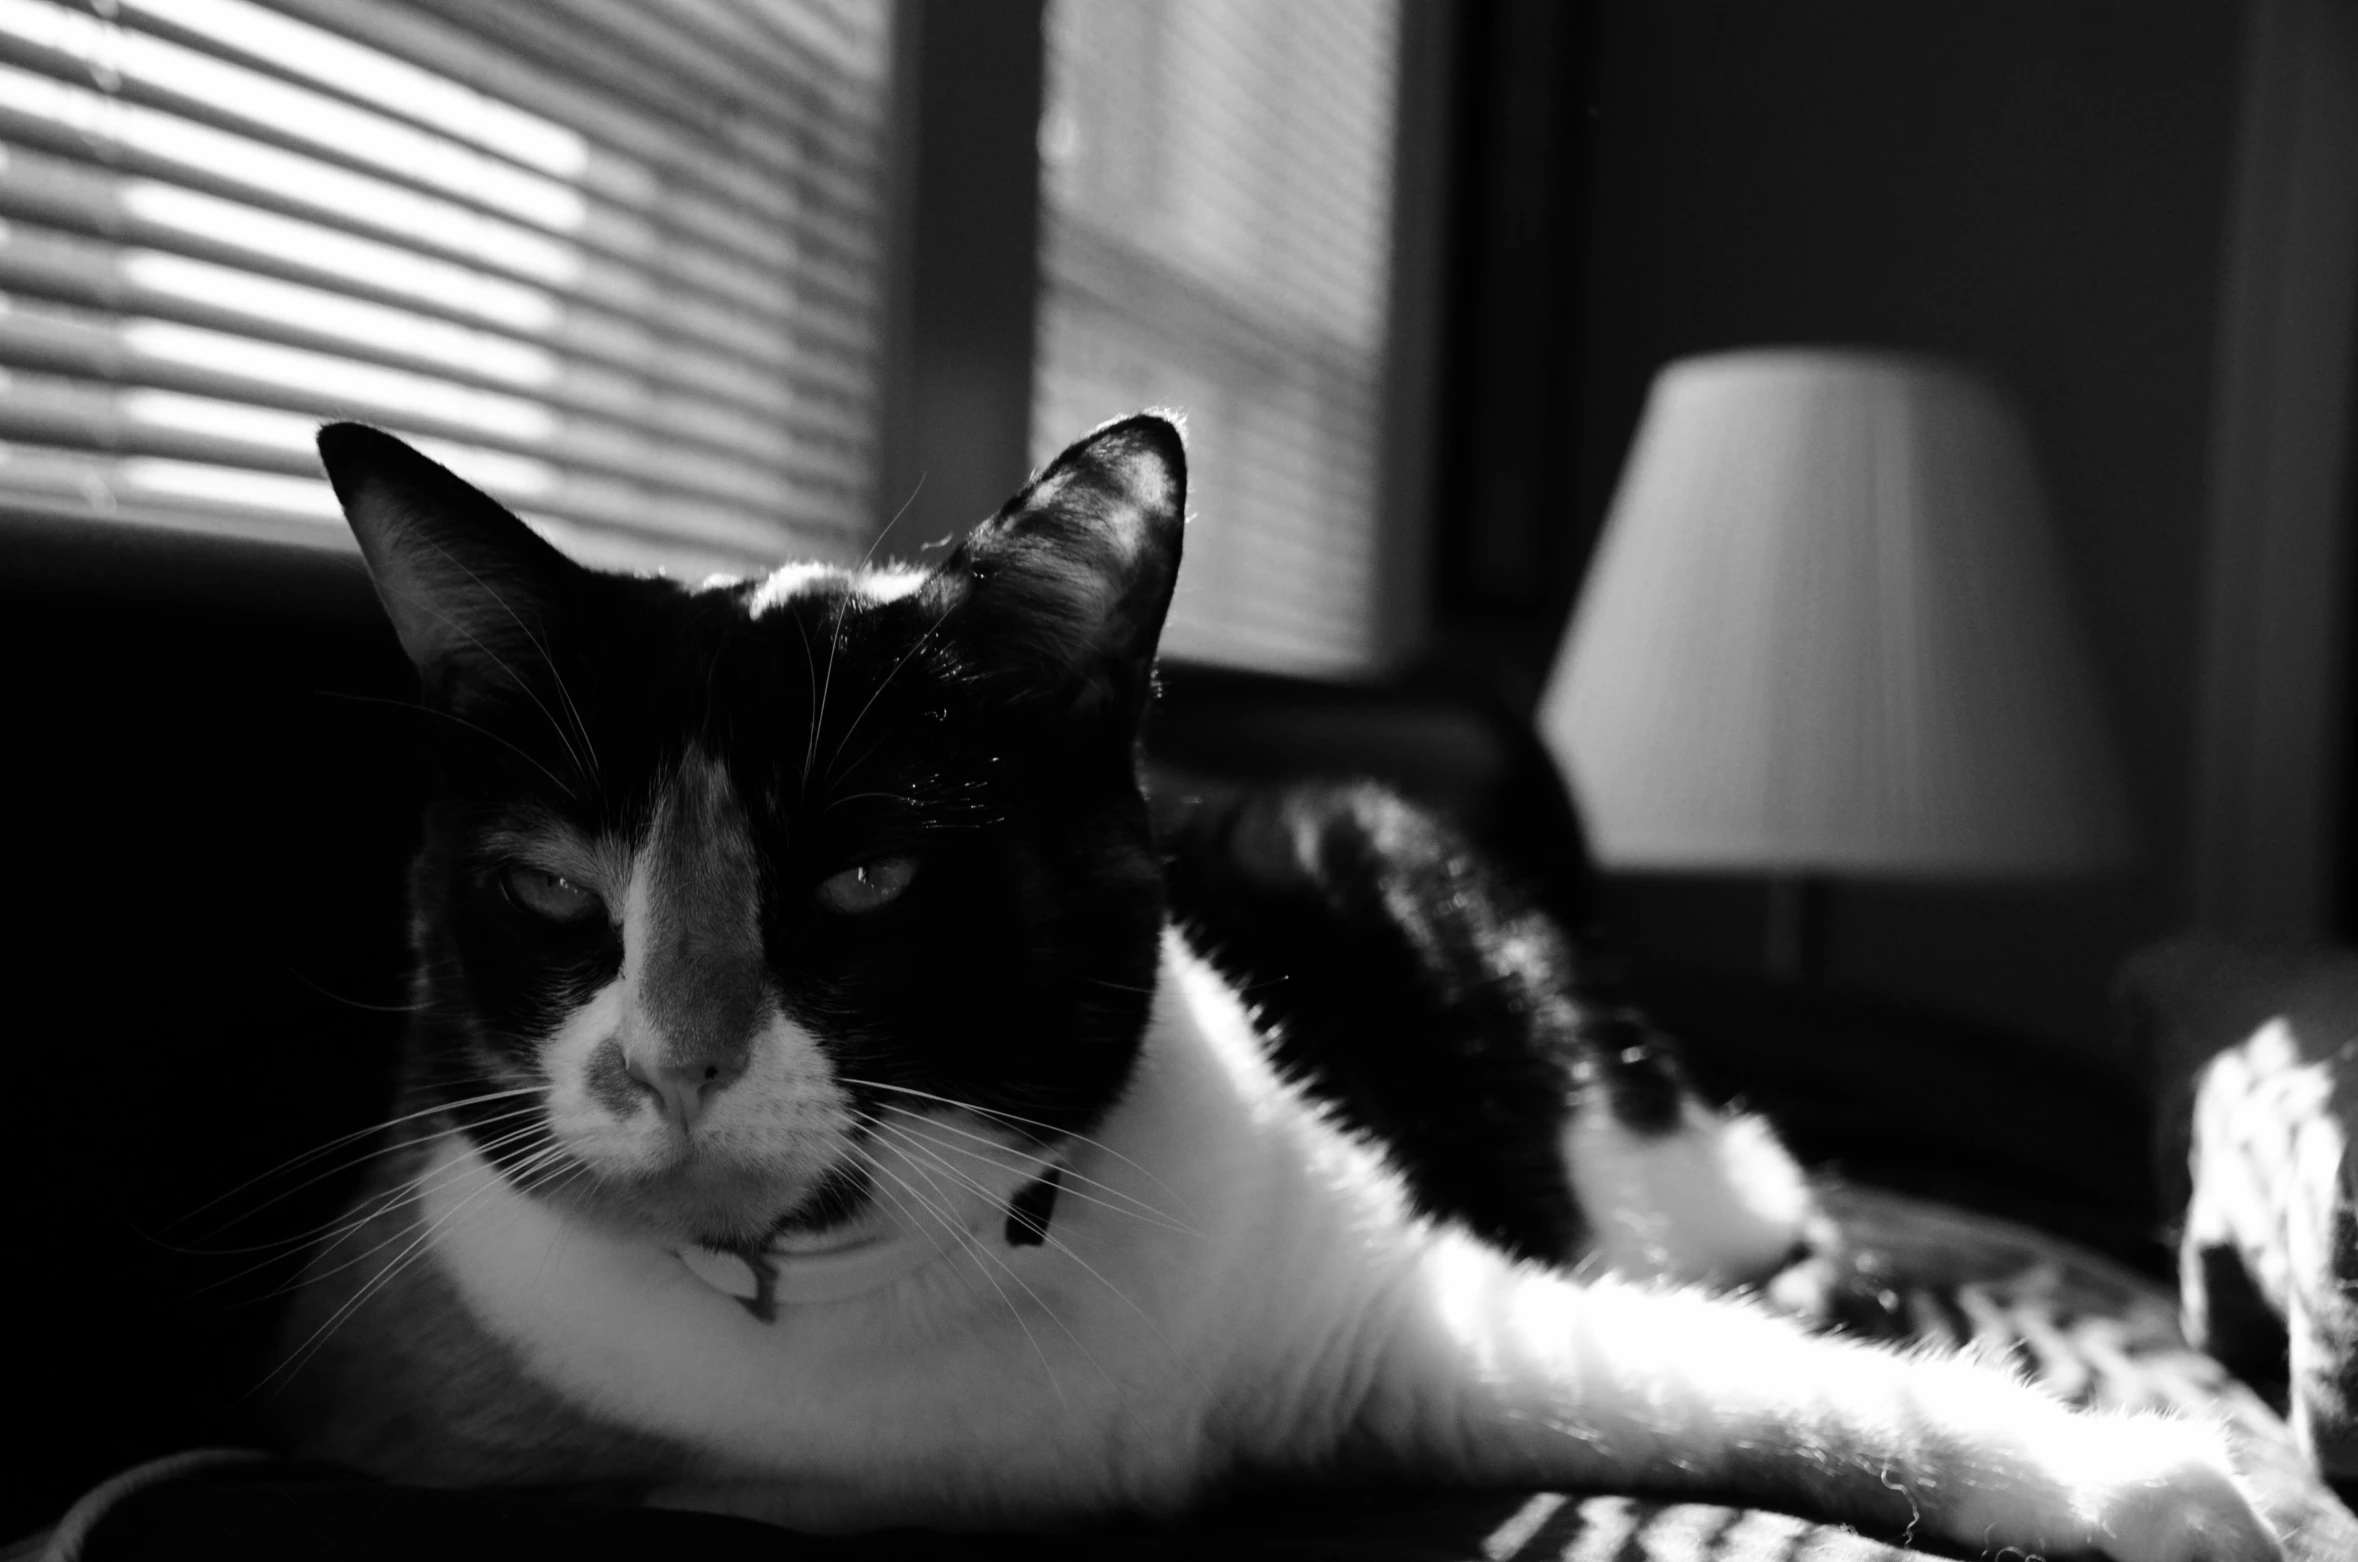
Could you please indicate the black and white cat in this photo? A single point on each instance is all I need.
(813, 1112)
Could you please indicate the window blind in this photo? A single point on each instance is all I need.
(616, 261)
(1216, 237)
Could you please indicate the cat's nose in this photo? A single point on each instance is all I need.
(683, 1090)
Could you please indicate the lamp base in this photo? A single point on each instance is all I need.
(1794, 949)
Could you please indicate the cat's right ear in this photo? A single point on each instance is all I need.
(470, 588)
(1070, 582)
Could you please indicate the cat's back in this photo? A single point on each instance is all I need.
(1419, 991)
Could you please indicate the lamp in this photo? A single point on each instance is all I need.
(1825, 634)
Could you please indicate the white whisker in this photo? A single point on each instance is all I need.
(424, 1184)
(340, 1168)
(377, 1283)
(982, 1251)
(1010, 1117)
(384, 583)
(1141, 1210)
(341, 1140)
(1050, 1238)
(588, 771)
(280, 1245)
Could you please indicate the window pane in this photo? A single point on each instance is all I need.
(1216, 237)
(617, 264)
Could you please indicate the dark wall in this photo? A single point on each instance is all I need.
(2036, 188)
(210, 777)
(1505, 549)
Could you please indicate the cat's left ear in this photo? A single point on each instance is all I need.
(1071, 580)
(470, 588)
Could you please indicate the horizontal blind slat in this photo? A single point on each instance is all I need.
(633, 323)
(682, 381)
(94, 292)
(721, 431)
(48, 189)
(733, 111)
(190, 134)
(671, 34)
(648, 150)
(99, 489)
(91, 345)
(73, 414)
(834, 222)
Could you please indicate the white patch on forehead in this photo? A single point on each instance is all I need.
(892, 583)
(787, 582)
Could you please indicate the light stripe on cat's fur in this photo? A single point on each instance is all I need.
(1303, 1321)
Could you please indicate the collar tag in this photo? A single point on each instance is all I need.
(1029, 1212)
(748, 1275)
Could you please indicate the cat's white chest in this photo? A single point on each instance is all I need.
(1060, 1376)
(899, 1386)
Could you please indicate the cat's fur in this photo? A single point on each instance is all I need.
(826, 909)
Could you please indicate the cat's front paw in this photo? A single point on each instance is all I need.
(2128, 1488)
(2192, 1511)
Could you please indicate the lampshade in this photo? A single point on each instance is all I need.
(1825, 632)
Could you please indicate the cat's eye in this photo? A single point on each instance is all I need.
(552, 895)
(868, 885)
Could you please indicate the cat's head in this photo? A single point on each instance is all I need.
(776, 904)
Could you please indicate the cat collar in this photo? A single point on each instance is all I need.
(815, 1270)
